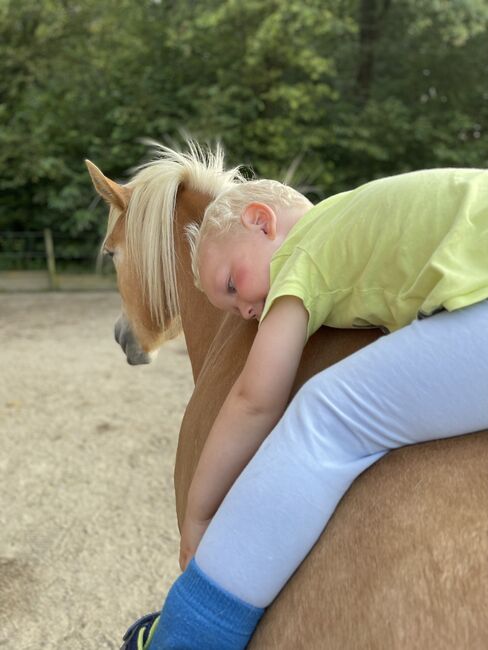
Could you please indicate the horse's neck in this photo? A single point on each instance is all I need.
(199, 319)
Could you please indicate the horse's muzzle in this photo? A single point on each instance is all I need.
(129, 344)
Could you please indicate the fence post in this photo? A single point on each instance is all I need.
(51, 261)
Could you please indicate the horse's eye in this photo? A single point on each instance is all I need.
(106, 251)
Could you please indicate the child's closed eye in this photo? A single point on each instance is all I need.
(230, 286)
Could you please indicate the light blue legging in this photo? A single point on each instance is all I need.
(428, 380)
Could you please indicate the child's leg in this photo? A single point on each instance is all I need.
(426, 381)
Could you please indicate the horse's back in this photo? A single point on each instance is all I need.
(401, 563)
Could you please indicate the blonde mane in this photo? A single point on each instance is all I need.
(150, 216)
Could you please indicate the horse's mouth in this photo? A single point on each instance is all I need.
(124, 336)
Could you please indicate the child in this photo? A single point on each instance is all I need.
(389, 254)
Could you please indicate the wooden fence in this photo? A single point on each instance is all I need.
(29, 261)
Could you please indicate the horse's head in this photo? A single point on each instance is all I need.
(138, 330)
(145, 237)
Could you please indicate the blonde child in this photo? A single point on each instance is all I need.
(408, 254)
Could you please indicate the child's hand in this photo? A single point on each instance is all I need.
(191, 534)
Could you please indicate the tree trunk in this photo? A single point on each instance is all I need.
(371, 17)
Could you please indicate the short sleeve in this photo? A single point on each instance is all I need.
(300, 277)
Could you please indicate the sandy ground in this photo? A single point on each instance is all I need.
(88, 535)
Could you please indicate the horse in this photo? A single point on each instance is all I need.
(402, 563)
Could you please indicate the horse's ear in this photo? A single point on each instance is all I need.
(114, 194)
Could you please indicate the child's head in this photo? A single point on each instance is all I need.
(232, 249)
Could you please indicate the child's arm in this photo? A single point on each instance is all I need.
(253, 407)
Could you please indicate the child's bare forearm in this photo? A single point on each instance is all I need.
(253, 407)
(236, 435)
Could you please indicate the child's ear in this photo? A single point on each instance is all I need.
(260, 216)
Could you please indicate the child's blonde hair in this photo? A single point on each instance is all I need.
(223, 215)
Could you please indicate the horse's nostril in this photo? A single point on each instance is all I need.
(118, 331)
(129, 343)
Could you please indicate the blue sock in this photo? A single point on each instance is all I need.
(199, 614)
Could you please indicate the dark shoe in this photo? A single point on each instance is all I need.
(140, 633)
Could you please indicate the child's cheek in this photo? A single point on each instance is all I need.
(241, 277)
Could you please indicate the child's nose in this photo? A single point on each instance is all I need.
(247, 312)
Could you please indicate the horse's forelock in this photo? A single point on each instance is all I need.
(150, 217)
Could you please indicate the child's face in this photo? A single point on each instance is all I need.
(234, 271)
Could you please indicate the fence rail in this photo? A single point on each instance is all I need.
(47, 251)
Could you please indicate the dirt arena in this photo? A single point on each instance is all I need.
(88, 536)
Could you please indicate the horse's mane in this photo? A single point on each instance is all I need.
(150, 216)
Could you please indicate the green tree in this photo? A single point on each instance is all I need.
(348, 89)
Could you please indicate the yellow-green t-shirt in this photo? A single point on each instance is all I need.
(389, 251)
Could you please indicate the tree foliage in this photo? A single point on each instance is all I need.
(349, 90)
